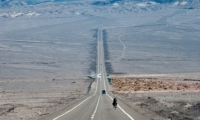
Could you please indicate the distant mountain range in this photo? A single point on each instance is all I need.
(190, 4)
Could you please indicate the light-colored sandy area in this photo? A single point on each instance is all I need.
(22, 99)
(160, 97)
(49, 46)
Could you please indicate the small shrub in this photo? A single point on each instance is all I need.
(178, 88)
(115, 92)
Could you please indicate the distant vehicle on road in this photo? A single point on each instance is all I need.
(103, 92)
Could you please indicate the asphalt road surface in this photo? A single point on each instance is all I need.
(97, 106)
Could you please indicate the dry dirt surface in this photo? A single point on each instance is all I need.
(160, 98)
(23, 99)
(130, 85)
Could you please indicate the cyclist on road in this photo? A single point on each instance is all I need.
(114, 103)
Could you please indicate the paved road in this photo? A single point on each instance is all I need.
(97, 106)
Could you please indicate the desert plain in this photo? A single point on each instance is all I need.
(48, 52)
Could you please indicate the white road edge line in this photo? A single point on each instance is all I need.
(122, 109)
(78, 104)
(118, 104)
(112, 98)
(72, 109)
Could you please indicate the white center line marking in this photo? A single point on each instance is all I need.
(96, 87)
(78, 104)
(112, 99)
(95, 108)
(92, 117)
(72, 109)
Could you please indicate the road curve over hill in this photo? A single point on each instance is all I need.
(97, 106)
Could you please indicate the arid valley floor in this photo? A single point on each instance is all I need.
(48, 51)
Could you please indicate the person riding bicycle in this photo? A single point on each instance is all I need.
(114, 102)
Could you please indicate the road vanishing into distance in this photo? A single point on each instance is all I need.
(97, 106)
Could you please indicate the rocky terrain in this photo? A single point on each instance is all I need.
(48, 47)
(160, 97)
(23, 99)
(131, 85)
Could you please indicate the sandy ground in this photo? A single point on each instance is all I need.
(163, 102)
(22, 99)
(46, 40)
